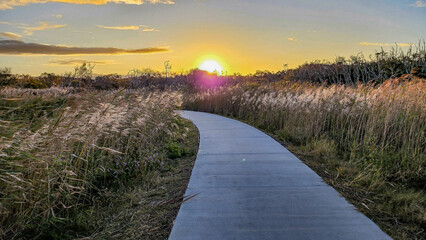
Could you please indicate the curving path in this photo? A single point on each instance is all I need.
(247, 186)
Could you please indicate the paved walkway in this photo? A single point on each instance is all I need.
(248, 186)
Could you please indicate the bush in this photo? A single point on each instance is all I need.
(6, 77)
(357, 69)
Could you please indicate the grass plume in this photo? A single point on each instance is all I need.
(365, 139)
(60, 149)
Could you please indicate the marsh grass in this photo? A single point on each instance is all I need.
(61, 150)
(147, 209)
(368, 141)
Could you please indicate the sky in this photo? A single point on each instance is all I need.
(243, 36)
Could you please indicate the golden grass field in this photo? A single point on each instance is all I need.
(367, 141)
(62, 151)
(76, 151)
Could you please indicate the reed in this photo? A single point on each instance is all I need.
(60, 149)
(376, 131)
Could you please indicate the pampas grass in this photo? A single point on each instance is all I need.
(376, 133)
(60, 148)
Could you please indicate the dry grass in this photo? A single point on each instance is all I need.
(148, 210)
(60, 150)
(369, 141)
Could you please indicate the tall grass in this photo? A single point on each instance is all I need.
(61, 149)
(379, 130)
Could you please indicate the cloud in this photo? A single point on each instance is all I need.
(57, 16)
(130, 27)
(291, 39)
(10, 4)
(6, 23)
(73, 62)
(9, 35)
(15, 47)
(41, 26)
(419, 4)
(385, 44)
(150, 30)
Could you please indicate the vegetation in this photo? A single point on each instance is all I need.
(107, 156)
(63, 152)
(367, 141)
(148, 210)
(356, 69)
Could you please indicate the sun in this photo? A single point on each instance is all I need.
(211, 66)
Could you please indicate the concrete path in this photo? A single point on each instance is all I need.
(247, 186)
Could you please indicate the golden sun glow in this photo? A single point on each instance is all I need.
(211, 66)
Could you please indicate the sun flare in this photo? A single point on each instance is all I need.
(211, 66)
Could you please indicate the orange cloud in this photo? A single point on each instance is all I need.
(150, 30)
(130, 27)
(10, 4)
(41, 26)
(9, 35)
(15, 47)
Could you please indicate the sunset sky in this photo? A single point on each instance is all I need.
(242, 35)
